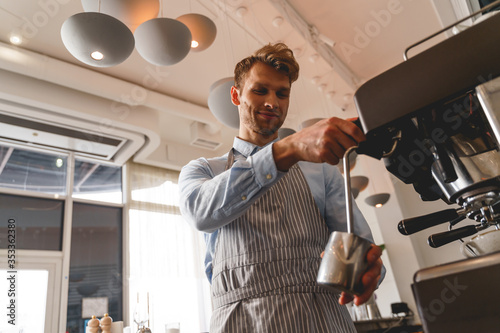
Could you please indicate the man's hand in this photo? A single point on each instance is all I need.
(369, 279)
(325, 141)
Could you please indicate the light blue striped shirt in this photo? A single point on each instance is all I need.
(211, 197)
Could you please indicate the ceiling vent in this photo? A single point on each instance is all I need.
(202, 137)
(68, 135)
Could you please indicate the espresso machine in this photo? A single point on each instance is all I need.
(434, 119)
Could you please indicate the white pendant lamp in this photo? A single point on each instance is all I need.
(309, 122)
(283, 132)
(163, 41)
(377, 200)
(97, 39)
(131, 12)
(359, 182)
(219, 102)
(203, 30)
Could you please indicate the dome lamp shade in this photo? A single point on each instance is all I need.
(309, 122)
(203, 30)
(97, 39)
(220, 104)
(131, 12)
(163, 41)
(283, 132)
(359, 182)
(377, 200)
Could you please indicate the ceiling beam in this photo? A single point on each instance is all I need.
(316, 40)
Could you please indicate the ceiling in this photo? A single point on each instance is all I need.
(339, 45)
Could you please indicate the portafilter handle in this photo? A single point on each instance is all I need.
(347, 186)
(446, 237)
(414, 224)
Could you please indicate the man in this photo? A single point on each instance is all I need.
(267, 211)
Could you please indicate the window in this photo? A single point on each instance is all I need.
(39, 222)
(32, 171)
(166, 255)
(95, 274)
(61, 231)
(98, 182)
(32, 286)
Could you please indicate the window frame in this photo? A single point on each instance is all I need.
(61, 269)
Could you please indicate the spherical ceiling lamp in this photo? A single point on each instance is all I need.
(284, 132)
(219, 102)
(163, 41)
(359, 182)
(131, 12)
(202, 29)
(97, 39)
(309, 122)
(377, 200)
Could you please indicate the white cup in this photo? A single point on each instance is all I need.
(487, 242)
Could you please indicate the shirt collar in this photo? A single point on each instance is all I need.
(246, 148)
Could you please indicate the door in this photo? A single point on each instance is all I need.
(30, 291)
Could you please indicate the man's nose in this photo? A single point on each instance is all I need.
(272, 101)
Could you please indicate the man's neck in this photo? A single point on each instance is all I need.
(259, 140)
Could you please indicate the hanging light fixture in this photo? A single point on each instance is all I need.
(358, 184)
(163, 41)
(97, 39)
(100, 37)
(309, 122)
(219, 102)
(131, 12)
(203, 30)
(377, 200)
(283, 132)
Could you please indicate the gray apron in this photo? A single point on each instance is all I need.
(265, 267)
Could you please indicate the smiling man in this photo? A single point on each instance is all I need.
(268, 206)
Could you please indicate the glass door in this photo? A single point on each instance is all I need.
(30, 292)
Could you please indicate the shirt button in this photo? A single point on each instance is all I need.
(244, 197)
(268, 176)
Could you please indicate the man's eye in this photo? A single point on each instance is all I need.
(283, 95)
(259, 91)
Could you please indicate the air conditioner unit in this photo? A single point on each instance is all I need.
(26, 126)
(201, 137)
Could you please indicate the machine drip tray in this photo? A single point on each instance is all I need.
(462, 296)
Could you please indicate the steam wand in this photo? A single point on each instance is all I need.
(367, 148)
(347, 186)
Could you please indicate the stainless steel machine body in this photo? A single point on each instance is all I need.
(435, 121)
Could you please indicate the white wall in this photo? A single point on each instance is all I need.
(399, 257)
(404, 255)
(411, 205)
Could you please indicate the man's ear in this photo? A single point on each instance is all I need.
(235, 98)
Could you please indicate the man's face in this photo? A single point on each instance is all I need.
(262, 103)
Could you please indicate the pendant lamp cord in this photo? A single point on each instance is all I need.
(99, 6)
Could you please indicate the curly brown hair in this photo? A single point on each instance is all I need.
(278, 56)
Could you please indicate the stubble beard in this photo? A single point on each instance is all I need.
(252, 122)
(255, 127)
